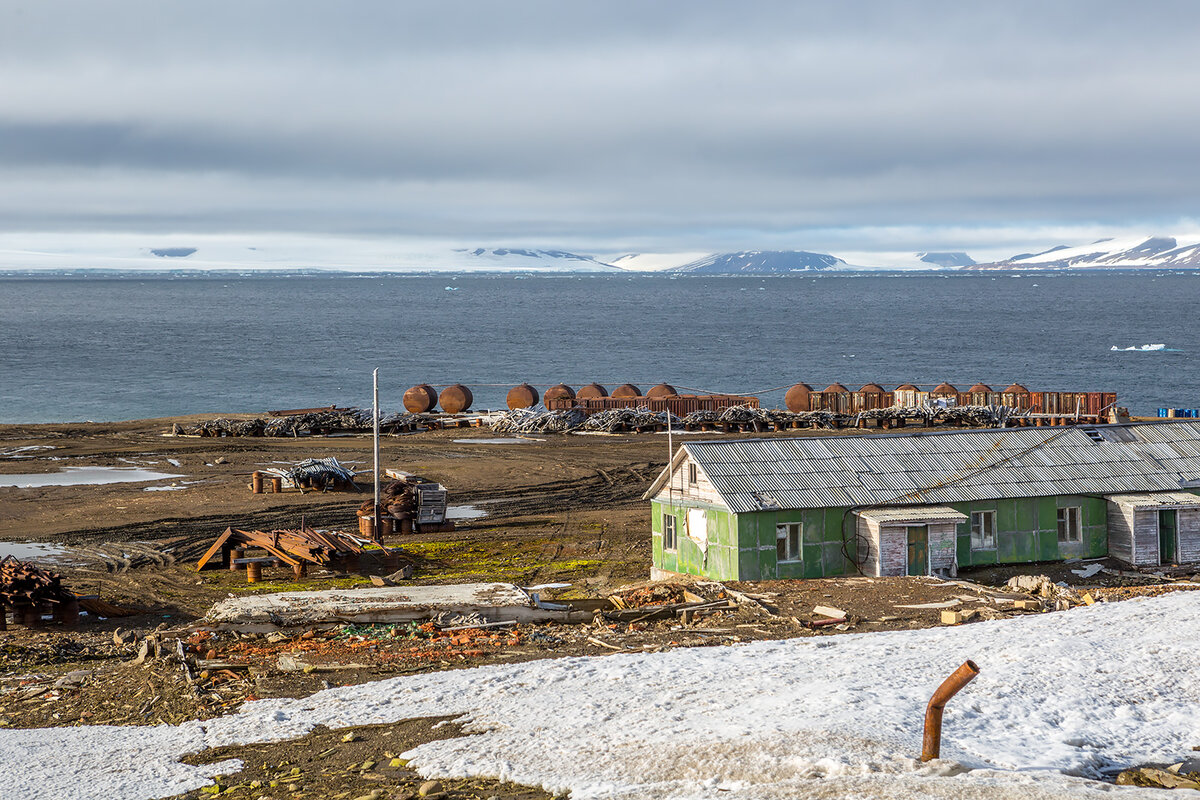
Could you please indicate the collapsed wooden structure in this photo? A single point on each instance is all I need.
(295, 548)
(31, 591)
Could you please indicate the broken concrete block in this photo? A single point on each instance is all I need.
(952, 617)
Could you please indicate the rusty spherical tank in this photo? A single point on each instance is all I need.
(627, 390)
(559, 392)
(592, 391)
(797, 400)
(523, 396)
(980, 387)
(837, 387)
(944, 388)
(420, 398)
(906, 387)
(455, 399)
(1016, 388)
(871, 388)
(662, 390)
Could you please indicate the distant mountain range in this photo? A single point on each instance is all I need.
(1153, 252)
(209, 254)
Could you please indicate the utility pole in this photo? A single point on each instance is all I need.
(378, 526)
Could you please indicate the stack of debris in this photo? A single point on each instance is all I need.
(318, 473)
(326, 421)
(528, 420)
(296, 548)
(616, 420)
(30, 591)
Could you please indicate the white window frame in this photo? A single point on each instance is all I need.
(791, 536)
(1070, 518)
(983, 530)
(670, 537)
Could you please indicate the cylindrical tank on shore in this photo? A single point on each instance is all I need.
(420, 398)
(944, 388)
(523, 396)
(662, 390)
(797, 398)
(592, 391)
(455, 399)
(627, 390)
(558, 392)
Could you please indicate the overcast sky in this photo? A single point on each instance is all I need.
(604, 126)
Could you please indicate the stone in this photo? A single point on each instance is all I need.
(350, 737)
(430, 789)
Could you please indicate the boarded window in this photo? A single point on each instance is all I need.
(693, 479)
(1069, 526)
(983, 530)
(787, 541)
(668, 525)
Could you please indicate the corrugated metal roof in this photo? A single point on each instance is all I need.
(1157, 500)
(949, 467)
(914, 514)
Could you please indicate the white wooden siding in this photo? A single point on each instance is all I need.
(678, 487)
(1189, 535)
(943, 547)
(868, 546)
(1120, 532)
(1145, 537)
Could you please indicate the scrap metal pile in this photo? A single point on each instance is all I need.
(350, 420)
(318, 473)
(23, 585)
(292, 547)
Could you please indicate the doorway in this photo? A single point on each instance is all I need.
(918, 549)
(1168, 536)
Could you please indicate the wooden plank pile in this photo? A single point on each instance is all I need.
(295, 548)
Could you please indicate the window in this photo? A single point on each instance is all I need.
(669, 541)
(983, 530)
(787, 542)
(1069, 529)
(692, 477)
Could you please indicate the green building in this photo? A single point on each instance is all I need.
(928, 503)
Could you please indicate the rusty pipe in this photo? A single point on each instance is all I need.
(933, 713)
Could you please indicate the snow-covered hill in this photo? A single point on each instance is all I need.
(1148, 252)
(762, 262)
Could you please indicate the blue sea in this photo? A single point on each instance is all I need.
(103, 348)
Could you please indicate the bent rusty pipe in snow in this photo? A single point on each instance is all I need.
(933, 713)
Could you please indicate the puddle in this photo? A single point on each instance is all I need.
(498, 440)
(84, 476)
(464, 512)
(32, 551)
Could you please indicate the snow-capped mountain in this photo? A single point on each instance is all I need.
(1140, 252)
(519, 259)
(956, 259)
(762, 262)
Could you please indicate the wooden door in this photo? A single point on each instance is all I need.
(1168, 536)
(918, 549)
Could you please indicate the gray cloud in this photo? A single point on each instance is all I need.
(664, 124)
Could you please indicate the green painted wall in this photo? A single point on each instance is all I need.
(721, 560)
(1027, 530)
(821, 549)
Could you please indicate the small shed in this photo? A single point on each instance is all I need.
(1154, 529)
(913, 540)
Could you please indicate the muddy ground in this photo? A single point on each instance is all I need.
(563, 509)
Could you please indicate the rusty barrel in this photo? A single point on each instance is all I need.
(277, 485)
(455, 399)
(253, 572)
(558, 392)
(627, 390)
(420, 399)
(593, 391)
(256, 482)
(797, 398)
(523, 396)
(662, 390)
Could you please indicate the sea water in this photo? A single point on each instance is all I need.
(123, 348)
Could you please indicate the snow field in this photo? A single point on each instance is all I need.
(1059, 695)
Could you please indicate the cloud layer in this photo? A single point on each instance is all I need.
(620, 125)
